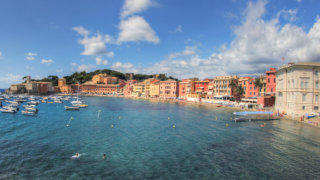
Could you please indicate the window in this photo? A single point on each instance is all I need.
(280, 94)
(316, 108)
(316, 73)
(317, 84)
(304, 97)
(316, 98)
(274, 80)
(271, 89)
(303, 107)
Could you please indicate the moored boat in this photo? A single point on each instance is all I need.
(72, 108)
(29, 113)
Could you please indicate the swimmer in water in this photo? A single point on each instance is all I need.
(104, 156)
(77, 155)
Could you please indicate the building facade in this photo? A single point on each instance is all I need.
(155, 89)
(222, 86)
(271, 81)
(298, 89)
(169, 89)
(186, 86)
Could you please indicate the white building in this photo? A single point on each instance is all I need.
(298, 88)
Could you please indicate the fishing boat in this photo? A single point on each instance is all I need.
(72, 108)
(28, 113)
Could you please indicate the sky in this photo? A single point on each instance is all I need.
(182, 38)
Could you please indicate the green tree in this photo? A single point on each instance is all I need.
(259, 84)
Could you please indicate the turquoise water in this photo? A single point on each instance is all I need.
(140, 142)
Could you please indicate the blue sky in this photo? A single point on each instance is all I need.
(183, 38)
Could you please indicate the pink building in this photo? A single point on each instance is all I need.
(169, 89)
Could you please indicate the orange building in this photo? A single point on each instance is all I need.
(186, 86)
(271, 81)
(249, 87)
(201, 87)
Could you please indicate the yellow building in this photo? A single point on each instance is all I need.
(98, 78)
(222, 88)
(147, 83)
(138, 89)
(155, 88)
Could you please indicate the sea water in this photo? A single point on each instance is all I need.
(148, 140)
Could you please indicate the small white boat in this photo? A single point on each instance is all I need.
(31, 109)
(33, 103)
(29, 106)
(4, 110)
(72, 108)
(29, 113)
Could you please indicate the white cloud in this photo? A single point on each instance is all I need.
(85, 67)
(124, 67)
(59, 70)
(189, 50)
(290, 14)
(299, 1)
(94, 45)
(30, 56)
(177, 30)
(110, 54)
(131, 7)
(8, 79)
(0, 54)
(100, 61)
(258, 45)
(81, 30)
(47, 61)
(135, 29)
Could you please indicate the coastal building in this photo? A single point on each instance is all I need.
(250, 90)
(169, 89)
(128, 87)
(222, 89)
(147, 83)
(138, 89)
(298, 88)
(186, 86)
(32, 87)
(201, 87)
(271, 81)
(104, 79)
(155, 89)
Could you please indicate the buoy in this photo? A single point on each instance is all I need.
(168, 117)
(174, 126)
(216, 118)
(111, 125)
(227, 125)
(119, 117)
(71, 118)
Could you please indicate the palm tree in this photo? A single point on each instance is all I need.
(238, 90)
(258, 83)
